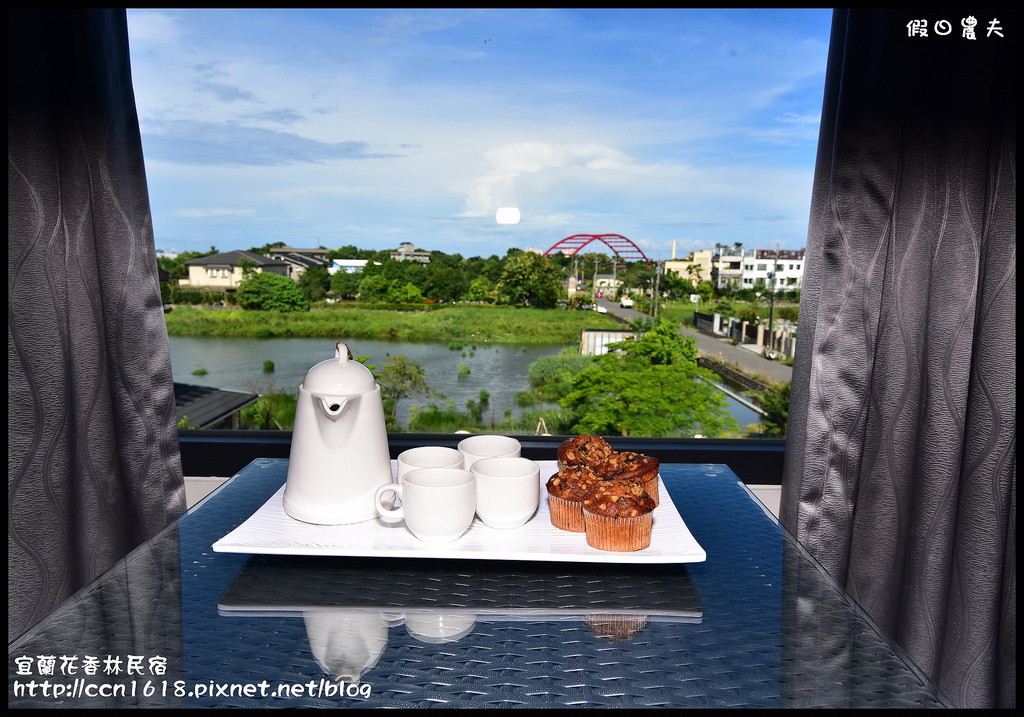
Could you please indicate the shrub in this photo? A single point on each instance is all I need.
(271, 292)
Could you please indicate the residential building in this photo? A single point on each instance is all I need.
(607, 284)
(736, 268)
(348, 266)
(727, 271)
(224, 270)
(696, 266)
(407, 252)
(787, 265)
(298, 260)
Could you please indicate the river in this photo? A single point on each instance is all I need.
(236, 364)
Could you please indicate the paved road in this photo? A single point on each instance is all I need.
(716, 347)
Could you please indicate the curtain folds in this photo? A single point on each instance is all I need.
(901, 454)
(93, 461)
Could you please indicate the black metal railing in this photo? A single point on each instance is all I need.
(225, 452)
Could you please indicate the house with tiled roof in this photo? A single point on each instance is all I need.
(299, 260)
(224, 270)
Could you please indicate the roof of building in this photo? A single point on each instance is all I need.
(299, 258)
(231, 258)
(205, 406)
(319, 251)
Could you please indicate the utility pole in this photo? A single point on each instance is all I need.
(658, 268)
(771, 305)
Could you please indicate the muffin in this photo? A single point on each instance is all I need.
(566, 489)
(583, 450)
(631, 467)
(616, 628)
(618, 516)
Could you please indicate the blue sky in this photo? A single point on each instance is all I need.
(380, 126)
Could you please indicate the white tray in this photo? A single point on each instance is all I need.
(271, 531)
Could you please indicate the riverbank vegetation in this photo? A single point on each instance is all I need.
(483, 324)
(648, 387)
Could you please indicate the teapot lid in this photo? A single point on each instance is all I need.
(339, 375)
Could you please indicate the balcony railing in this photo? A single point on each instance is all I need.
(225, 452)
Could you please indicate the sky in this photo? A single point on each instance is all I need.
(677, 129)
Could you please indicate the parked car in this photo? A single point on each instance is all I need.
(626, 303)
(600, 309)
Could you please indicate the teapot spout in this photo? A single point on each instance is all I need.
(332, 406)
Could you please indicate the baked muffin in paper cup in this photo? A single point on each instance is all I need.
(583, 450)
(618, 516)
(631, 467)
(616, 627)
(566, 489)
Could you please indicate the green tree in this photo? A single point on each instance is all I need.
(706, 290)
(402, 377)
(651, 386)
(248, 266)
(271, 292)
(638, 275)
(675, 284)
(345, 284)
(444, 283)
(661, 345)
(373, 287)
(491, 269)
(403, 293)
(315, 281)
(273, 411)
(176, 266)
(267, 249)
(479, 290)
(775, 402)
(529, 279)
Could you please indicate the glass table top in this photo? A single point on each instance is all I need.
(177, 624)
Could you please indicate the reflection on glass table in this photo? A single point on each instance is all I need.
(349, 606)
(756, 624)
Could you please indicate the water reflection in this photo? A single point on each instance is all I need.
(237, 364)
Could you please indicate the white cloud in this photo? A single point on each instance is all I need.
(399, 125)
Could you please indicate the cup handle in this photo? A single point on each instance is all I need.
(381, 508)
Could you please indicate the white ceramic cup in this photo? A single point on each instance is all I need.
(438, 504)
(428, 457)
(438, 628)
(487, 445)
(507, 490)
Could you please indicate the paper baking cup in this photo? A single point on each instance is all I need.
(650, 487)
(566, 514)
(618, 534)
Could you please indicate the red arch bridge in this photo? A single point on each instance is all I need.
(620, 246)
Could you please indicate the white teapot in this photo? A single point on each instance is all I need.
(339, 454)
(346, 643)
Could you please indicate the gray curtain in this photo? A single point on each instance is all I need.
(901, 453)
(93, 461)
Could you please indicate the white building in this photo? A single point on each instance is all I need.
(737, 268)
(349, 266)
(787, 265)
(407, 252)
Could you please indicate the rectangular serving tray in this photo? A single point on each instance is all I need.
(271, 531)
(289, 585)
